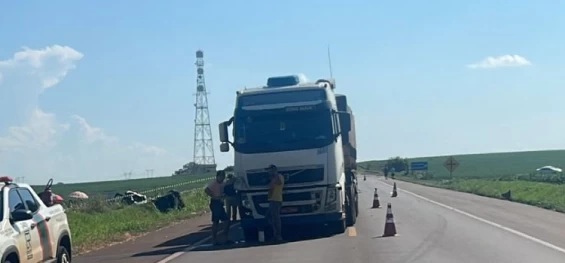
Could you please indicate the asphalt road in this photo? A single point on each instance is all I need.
(434, 225)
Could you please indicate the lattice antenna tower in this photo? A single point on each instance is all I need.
(203, 143)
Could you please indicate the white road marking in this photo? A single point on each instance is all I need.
(513, 231)
(195, 245)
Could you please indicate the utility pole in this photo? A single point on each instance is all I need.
(127, 175)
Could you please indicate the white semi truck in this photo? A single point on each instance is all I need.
(308, 132)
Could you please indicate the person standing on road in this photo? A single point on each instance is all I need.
(275, 201)
(231, 197)
(215, 191)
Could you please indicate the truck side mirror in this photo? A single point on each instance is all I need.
(223, 132)
(224, 147)
(345, 122)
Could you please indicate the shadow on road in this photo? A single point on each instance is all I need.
(290, 236)
(184, 242)
(177, 244)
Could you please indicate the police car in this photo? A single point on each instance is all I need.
(30, 229)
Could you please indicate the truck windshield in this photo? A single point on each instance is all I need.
(283, 131)
(282, 97)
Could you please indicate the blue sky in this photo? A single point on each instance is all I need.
(105, 87)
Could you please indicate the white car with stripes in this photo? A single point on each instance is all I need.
(30, 231)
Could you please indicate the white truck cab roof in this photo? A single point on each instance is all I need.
(288, 83)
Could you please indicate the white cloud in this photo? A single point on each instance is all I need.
(92, 134)
(38, 62)
(40, 131)
(501, 61)
(40, 146)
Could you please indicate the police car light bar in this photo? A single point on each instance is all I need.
(6, 179)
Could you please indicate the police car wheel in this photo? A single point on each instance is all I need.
(63, 255)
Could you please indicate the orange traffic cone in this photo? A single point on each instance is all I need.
(390, 227)
(394, 193)
(376, 203)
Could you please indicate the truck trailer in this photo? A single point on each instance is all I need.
(308, 132)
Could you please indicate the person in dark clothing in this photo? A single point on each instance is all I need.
(215, 190)
(231, 197)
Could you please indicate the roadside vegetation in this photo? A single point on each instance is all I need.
(98, 224)
(108, 189)
(98, 221)
(492, 175)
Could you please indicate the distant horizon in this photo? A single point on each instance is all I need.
(465, 154)
(431, 156)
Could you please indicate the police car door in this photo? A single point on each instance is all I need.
(41, 238)
(25, 235)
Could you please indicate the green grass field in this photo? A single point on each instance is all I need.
(98, 226)
(487, 165)
(495, 173)
(108, 189)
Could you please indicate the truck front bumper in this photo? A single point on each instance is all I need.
(294, 220)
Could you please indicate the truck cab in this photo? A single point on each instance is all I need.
(295, 125)
(29, 230)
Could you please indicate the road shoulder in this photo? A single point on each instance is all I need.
(155, 245)
(536, 222)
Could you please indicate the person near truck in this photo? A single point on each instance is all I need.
(231, 197)
(215, 190)
(275, 201)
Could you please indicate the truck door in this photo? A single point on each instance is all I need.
(24, 236)
(43, 248)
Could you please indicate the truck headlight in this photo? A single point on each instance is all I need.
(331, 195)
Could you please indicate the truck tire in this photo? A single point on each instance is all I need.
(350, 210)
(356, 204)
(250, 235)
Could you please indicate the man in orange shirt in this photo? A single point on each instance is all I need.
(275, 201)
(215, 191)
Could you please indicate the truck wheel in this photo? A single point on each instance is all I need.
(350, 212)
(356, 204)
(251, 235)
(63, 255)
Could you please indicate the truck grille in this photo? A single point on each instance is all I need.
(288, 197)
(295, 176)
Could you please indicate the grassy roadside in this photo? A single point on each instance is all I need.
(99, 225)
(544, 195)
